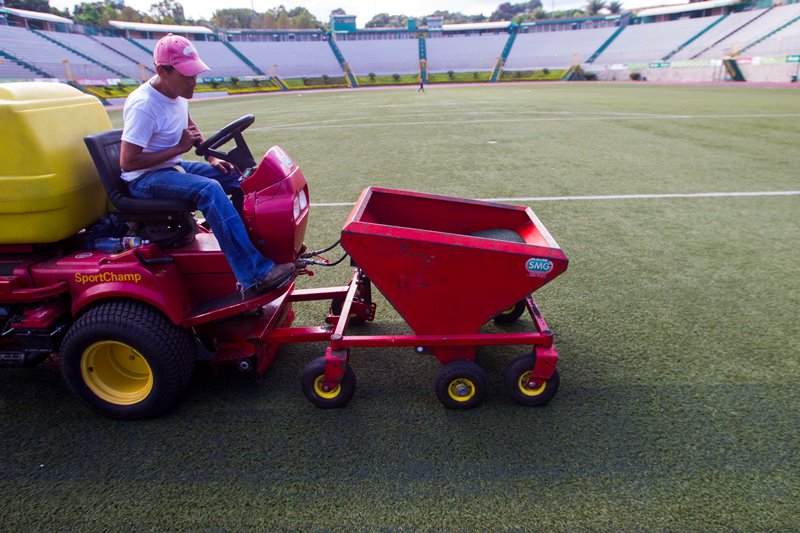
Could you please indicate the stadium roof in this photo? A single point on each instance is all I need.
(159, 28)
(35, 15)
(682, 8)
(476, 26)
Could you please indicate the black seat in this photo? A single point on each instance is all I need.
(162, 220)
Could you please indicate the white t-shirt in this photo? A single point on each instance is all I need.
(154, 122)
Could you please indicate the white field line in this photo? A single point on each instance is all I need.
(607, 197)
(318, 126)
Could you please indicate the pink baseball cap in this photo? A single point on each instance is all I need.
(178, 52)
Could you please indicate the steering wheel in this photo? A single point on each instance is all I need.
(240, 157)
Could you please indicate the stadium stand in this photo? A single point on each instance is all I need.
(643, 43)
(217, 56)
(10, 70)
(464, 53)
(605, 45)
(128, 49)
(393, 56)
(555, 49)
(729, 24)
(291, 59)
(760, 26)
(47, 55)
(89, 47)
(785, 41)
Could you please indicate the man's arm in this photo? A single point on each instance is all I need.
(219, 164)
(132, 157)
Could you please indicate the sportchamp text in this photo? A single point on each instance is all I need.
(106, 277)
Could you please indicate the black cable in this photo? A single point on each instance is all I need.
(317, 252)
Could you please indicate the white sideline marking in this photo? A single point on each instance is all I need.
(607, 197)
(319, 126)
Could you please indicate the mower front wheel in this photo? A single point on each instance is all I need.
(312, 383)
(126, 360)
(527, 391)
(461, 385)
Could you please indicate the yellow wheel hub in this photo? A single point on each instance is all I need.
(509, 310)
(461, 389)
(319, 391)
(116, 373)
(529, 390)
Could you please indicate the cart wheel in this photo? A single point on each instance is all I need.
(517, 383)
(336, 309)
(127, 360)
(461, 385)
(311, 383)
(511, 314)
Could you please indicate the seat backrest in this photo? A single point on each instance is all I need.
(104, 149)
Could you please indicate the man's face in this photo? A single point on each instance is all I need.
(176, 83)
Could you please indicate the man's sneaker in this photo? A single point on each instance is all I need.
(278, 276)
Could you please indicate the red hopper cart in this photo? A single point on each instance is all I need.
(448, 266)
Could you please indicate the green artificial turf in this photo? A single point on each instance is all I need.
(676, 324)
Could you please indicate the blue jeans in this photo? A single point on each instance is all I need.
(208, 188)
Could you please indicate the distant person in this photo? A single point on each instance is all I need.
(421, 85)
(157, 131)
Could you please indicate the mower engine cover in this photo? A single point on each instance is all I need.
(49, 187)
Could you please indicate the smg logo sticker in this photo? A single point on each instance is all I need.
(537, 266)
(107, 277)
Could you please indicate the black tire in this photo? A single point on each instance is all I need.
(97, 349)
(512, 313)
(461, 385)
(310, 382)
(516, 378)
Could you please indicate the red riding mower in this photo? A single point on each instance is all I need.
(126, 327)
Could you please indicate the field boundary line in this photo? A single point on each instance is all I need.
(609, 197)
(528, 119)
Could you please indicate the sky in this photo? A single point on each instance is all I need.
(363, 9)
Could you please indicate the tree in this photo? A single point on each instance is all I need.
(615, 8)
(303, 19)
(128, 14)
(40, 6)
(384, 20)
(236, 18)
(97, 13)
(508, 11)
(457, 18)
(593, 7)
(168, 12)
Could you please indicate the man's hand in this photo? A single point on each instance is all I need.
(189, 137)
(220, 165)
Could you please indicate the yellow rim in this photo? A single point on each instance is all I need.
(116, 373)
(461, 389)
(319, 391)
(526, 389)
(509, 311)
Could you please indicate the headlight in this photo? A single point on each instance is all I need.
(296, 207)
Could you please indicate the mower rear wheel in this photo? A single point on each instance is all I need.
(461, 385)
(126, 360)
(314, 390)
(524, 390)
